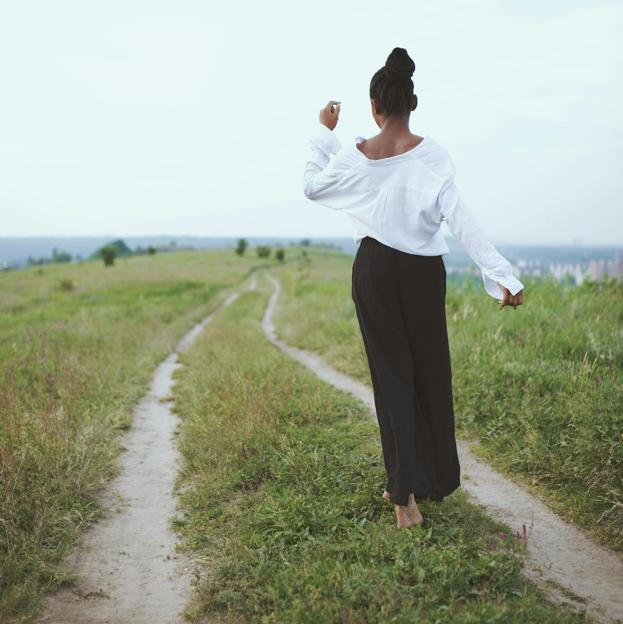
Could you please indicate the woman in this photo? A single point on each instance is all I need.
(398, 187)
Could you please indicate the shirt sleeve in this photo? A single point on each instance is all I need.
(495, 268)
(320, 181)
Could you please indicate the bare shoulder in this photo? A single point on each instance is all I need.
(378, 146)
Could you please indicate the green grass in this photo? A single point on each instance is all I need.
(283, 474)
(282, 478)
(78, 345)
(540, 387)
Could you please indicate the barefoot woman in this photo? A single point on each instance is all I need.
(398, 188)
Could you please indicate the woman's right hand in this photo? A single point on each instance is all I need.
(330, 114)
(509, 299)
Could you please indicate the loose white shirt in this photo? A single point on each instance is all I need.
(401, 201)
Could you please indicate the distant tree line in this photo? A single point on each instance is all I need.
(263, 251)
(107, 253)
(118, 248)
(306, 242)
(57, 256)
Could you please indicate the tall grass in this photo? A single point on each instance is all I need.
(540, 387)
(73, 363)
(282, 479)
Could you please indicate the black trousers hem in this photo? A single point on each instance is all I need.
(438, 497)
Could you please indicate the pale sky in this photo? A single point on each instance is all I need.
(148, 117)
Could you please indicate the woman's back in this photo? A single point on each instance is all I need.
(393, 198)
(401, 201)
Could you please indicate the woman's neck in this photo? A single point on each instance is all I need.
(393, 126)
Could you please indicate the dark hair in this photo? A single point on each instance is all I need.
(391, 86)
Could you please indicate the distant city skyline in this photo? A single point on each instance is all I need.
(132, 118)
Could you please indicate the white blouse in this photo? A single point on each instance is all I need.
(401, 201)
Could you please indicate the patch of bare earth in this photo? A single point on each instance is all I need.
(127, 567)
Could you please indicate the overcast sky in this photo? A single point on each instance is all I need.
(146, 117)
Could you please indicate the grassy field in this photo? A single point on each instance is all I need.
(282, 479)
(540, 387)
(78, 345)
(283, 474)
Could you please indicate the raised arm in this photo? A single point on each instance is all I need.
(331, 182)
(318, 180)
(496, 270)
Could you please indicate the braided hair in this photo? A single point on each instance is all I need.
(391, 86)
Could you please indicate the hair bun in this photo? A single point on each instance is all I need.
(399, 66)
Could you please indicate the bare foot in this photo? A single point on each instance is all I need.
(407, 516)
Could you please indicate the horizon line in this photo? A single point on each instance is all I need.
(578, 243)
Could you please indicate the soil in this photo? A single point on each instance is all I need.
(126, 564)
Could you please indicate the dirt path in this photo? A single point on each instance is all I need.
(558, 553)
(127, 568)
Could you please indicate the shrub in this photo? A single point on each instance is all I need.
(121, 249)
(108, 255)
(66, 284)
(242, 246)
(60, 256)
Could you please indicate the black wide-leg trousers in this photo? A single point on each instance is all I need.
(400, 303)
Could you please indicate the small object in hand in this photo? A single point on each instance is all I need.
(333, 106)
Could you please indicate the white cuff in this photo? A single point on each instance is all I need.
(491, 282)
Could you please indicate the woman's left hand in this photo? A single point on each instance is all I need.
(508, 299)
(329, 114)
